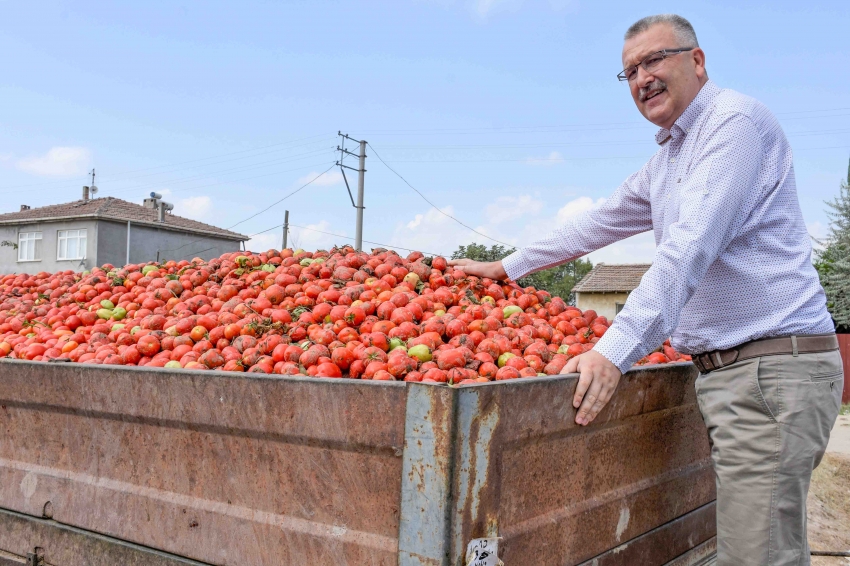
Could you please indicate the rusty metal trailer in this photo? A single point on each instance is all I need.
(106, 465)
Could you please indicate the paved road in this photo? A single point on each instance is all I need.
(839, 440)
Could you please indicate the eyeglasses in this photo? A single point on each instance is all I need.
(650, 63)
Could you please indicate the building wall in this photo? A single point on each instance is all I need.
(49, 243)
(106, 242)
(146, 241)
(605, 304)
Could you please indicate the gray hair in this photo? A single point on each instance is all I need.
(683, 29)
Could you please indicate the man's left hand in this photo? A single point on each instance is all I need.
(599, 379)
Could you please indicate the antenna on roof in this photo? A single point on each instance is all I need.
(93, 189)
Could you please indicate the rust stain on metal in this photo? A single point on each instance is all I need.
(256, 470)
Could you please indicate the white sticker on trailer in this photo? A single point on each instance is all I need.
(483, 552)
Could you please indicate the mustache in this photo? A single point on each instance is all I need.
(656, 85)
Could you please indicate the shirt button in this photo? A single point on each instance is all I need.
(679, 180)
(672, 160)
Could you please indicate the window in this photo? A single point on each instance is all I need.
(619, 307)
(72, 244)
(29, 246)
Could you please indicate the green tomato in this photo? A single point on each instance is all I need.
(134, 330)
(118, 313)
(319, 260)
(421, 352)
(117, 327)
(105, 314)
(107, 304)
(503, 359)
(173, 364)
(489, 300)
(396, 343)
(305, 262)
(511, 309)
(562, 349)
(147, 269)
(439, 312)
(267, 267)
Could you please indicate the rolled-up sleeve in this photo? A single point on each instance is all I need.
(723, 174)
(626, 213)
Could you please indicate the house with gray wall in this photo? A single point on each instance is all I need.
(94, 231)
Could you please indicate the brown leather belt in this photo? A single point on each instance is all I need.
(802, 344)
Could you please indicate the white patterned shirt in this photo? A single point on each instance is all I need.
(733, 256)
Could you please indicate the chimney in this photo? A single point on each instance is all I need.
(85, 193)
(161, 212)
(25, 207)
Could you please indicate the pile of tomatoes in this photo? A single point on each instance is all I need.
(337, 313)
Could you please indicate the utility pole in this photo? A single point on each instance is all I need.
(285, 228)
(361, 179)
(358, 234)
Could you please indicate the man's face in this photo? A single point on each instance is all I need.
(662, 95)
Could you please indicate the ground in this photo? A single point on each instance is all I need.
(829, 497)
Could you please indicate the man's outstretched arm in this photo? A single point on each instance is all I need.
(626, 213)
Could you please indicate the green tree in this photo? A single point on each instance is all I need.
(558, 280)
(833, 261)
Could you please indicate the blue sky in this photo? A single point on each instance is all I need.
(505, 113)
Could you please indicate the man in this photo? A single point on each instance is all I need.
(732, 283)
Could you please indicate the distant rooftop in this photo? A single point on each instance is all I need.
(111, 208)
(612, 278)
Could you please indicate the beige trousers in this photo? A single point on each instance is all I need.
(769, 421)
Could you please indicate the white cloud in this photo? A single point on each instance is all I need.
(577, 206)
(486, 7)
(327, 180)
(318, 236)
(263, 242)
(554, 158)
(433, 232)
(509, 208)
(637, 249)
(197, 208)
(58, 162)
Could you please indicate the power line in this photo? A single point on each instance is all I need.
(432, 204)
(256, 214)
(286, 197)
(121, 177)
(350, 238)
(531, 129)
(289, 159)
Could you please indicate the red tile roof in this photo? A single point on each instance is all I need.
(612, 278)
(111, 208)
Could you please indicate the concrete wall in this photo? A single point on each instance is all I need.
(49, 241)
(605, 304)
(145, 241)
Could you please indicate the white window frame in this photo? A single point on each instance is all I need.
(80, 234)
(27, 242)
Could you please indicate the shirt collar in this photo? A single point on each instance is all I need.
(683, 123)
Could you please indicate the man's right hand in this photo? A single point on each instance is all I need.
(491, 269)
